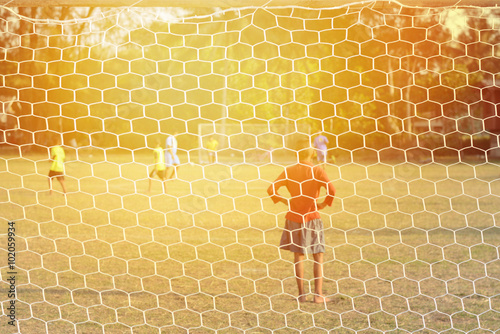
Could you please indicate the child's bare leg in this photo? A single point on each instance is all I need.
(50, 185)
(150, 180)
(172, 172)
(299, 275)
(62, 185)
(318, 279)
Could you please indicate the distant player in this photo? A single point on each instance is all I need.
(56, 171)
(212, 146)
(159, 168)
(171, 159)
(321, 146)
(303, 232)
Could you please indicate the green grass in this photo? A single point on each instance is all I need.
(409, 248)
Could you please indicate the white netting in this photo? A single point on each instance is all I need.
(244, 143)
(408, 98)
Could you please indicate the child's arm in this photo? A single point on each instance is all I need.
(330, 193)
(272, 191)
(321, 205)
(277, 198)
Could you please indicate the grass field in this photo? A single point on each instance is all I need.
(410, 248)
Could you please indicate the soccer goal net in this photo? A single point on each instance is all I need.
(407, 99)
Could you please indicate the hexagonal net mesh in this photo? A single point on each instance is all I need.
(407, 98)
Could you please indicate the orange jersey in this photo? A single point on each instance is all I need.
(304, 182)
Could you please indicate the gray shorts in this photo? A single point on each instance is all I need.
(303, 238)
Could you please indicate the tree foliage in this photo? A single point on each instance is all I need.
(365, 71)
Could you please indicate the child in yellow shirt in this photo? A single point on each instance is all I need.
(56, 171)
(159, 168)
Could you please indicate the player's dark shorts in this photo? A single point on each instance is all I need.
(161, 173)
(303, 238)
(54, 174)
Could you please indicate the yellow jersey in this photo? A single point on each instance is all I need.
(159, 159)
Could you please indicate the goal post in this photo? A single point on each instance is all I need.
(249, 143)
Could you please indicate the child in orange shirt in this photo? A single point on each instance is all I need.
(303, 231)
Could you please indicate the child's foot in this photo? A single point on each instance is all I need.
(302, 299)
(319, 299)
